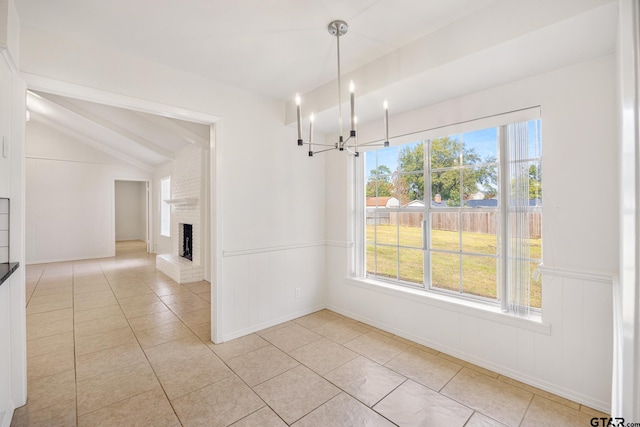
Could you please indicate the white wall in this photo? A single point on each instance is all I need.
(131, 210)
(69, 196)
(572, 356)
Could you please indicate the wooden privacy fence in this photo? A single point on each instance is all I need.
(472, 222)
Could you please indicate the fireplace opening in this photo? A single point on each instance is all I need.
(187, 242)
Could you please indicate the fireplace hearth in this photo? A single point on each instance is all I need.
(186, 248)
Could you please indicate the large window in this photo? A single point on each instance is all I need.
(459, 214)
(165, 208)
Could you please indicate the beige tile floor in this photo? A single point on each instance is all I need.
(113, 342)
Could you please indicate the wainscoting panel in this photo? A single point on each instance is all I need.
(266, 286)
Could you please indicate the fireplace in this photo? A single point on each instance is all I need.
(186, 246)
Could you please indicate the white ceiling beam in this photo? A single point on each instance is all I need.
(176, 128)
(91, 142)
(112, 127)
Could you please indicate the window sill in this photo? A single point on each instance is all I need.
(471, 308)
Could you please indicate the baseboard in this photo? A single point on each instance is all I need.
(534, 382)
(6, 417)
(264, 325)
(50, 261)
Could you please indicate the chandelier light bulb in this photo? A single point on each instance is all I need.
(299, 117)
(352, 89)
(385, 104)
(312, 118)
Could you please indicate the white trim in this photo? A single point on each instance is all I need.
(626, 358)
(52, 260)
(182, 201)
(216, 231)
(459, 305)
(270, 323)
(495, 120)
(8, 58)
(251, 251)
(8, 415)
(57, 87)
(472, 358)
(580, 275)
(339, 244)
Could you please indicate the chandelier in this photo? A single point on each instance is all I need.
(338, 29)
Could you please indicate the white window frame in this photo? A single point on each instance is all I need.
(165, 208)
(359, 227)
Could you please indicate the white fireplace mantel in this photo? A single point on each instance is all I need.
(182, 201)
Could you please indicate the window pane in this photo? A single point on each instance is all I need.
(385, 232)
(371, 259)
(535, 288)
(165, 208)
(408, 189)
(480, 186)
(386, 162)
(411, 157)
(411, 265)
(534, 141)
(535, 242)
(445, 271)
(479, 276)
(379, 185)
(445, 233)
(480, 146)
(479, 232)
(386, 261)
(445, 152)
(410, 228)
(535, 184)
(445, 188)
(370, 225)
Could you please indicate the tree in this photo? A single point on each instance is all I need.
(379, 182)
(535, 183)
(445, 153)
(410, 186)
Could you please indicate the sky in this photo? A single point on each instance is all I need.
(484, 142)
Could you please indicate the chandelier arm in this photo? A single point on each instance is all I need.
(322, 145)
(373, 144)
(348, 150)
(322, 151)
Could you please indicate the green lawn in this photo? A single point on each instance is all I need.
(479, 273)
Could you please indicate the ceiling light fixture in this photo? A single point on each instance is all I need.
(338, 29)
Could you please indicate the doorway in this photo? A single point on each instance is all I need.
(132, 212)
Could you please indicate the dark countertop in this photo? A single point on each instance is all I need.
(6, 269)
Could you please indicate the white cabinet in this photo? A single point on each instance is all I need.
(5, 352)
(5, 127)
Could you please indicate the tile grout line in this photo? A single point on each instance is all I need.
(155, 374)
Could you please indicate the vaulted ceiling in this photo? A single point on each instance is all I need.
(413, 52)
(142, 139)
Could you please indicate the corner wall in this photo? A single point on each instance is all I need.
(571, 353)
